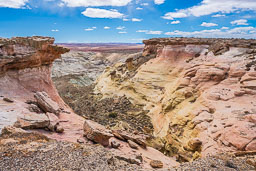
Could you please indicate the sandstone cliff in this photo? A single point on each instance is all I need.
(200, 93)
(29, 100)
(25, 68)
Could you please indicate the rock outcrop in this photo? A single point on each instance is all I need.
(200, 93)
(29, 100)
(97, 133)
(25, 79)
(46, 103)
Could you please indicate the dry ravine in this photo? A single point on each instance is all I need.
(180, 104)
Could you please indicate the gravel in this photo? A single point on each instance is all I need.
(58, 156)
(33, 151)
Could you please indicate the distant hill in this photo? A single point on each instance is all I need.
(104, 47)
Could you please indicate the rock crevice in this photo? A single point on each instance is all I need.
(195, 89)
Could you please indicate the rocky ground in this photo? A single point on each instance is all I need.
(112, 112)
(199, 93)
(32, 151)
(194, 96)
(221, 162)
(74, 75)
(22, 150)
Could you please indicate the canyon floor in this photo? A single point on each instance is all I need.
(173, 104)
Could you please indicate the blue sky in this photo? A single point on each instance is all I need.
(89, 21)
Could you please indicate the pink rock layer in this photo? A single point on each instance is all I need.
(193, 88)
(25, 68)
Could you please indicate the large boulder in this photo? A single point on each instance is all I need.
(32, 121)
(125, 136)
(53, 121)
(97, 133)
(46, 103)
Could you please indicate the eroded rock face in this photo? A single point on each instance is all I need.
(200, 93)
(46, 103)
(25, 69)
(97, 133)
(25, 78)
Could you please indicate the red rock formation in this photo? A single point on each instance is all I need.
(27, 94)
(201, 89)
(25, 68)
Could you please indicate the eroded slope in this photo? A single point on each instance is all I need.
(200, 93)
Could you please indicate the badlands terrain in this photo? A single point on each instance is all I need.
(170, 104)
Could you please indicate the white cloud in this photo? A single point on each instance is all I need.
(175, 22)
(144, 4)
(120, 28)
(136, 20)
(95, 3)
(239, 22)
(154, 32)
(204, 24)
(13, 3)
(106, 27)
(207, 7)
(241, 30)
(101, 13)
(139, 8)
(61, 4)
(218, 15)
(149, 32)
(142, 31)
(238, 32)
(55, 30)
(122, 32)
(224, 28)
(89, 29)
(172, 15)
(158, 2)
(125, 19)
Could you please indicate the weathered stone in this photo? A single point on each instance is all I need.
(156, 164)
(32, 121)
(117, 135)
(251, 146)
(141, 142)
(239, 135)
(59, 128)
(8, 130)
(46, 103)
(135, 138)
(8, 100)
(114, 144)
(80, 140)
(128, 158)
(97, 133)
(53, 121)
(140, 158)
(203, 117)
(14, 132)
(195, 144)
(132, 144)
(34, 108)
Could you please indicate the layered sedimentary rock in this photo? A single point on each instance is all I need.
(29, 100)
(200, 93)
(25, 79)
